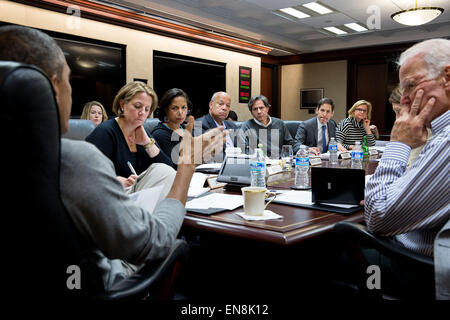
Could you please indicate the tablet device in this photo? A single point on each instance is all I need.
(235, 170)
(337, 185)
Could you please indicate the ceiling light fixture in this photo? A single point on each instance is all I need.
(316, 7)
(356, 27)
(417, 16)
(335, 30)
(295, 13)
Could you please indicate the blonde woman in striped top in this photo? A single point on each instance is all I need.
(356, 126)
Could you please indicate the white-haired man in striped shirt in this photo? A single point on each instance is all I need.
(412, 203)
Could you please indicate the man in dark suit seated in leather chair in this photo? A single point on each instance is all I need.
(219, 107)
(311, 132)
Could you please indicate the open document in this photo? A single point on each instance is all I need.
(196, 186)
(147, 198)
(299, 198)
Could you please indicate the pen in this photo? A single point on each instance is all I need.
(131, 168)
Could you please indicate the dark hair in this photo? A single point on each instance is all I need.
(232, 115)
(31, 46)
(327, 101)
(167, 98)
(256, 98)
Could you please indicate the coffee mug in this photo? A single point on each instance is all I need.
(254, 199)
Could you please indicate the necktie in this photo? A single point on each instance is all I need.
(324, 139)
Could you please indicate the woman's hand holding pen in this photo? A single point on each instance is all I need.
(127, 182)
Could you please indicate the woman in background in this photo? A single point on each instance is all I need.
(356, 126)
(124, 139)
(95, 112)
(173, 109)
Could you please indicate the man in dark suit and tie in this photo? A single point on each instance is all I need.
(219, 107)
(316, 132)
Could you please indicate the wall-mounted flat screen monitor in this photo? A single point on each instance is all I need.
(310, 97)
(199, 78)
(98, 69)
(98, 72)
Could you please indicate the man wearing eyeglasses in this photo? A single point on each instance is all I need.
(412, 204)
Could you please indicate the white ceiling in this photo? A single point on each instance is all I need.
(258, 21)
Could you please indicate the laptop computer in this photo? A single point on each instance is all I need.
(337, 185)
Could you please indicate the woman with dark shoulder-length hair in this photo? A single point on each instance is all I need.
(124, 139)
(356, 126)
(173, 110)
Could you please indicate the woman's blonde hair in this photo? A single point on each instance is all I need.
(351, 112)
(87, 109)
(396, 95)
(128, 91)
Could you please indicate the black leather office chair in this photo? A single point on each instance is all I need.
(356, 236)
(40, 240)
(292, 126)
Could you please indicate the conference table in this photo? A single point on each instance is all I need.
(298, 224)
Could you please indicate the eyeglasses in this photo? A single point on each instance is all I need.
(409, 86)
(361, 110)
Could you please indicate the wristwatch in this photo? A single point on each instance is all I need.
(150, 144)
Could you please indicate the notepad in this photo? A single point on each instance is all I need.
(216, 200)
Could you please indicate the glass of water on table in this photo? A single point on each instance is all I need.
(286, 157)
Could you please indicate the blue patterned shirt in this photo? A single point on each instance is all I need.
(412, 204)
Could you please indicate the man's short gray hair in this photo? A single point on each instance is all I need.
(214, 96)
(435, 52)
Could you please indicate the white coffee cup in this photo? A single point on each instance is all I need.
(254, 200)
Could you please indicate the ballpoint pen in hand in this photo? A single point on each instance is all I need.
(131, 168)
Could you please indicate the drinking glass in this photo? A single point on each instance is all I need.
(286, 156)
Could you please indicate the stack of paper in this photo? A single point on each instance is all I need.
(209, 166)
(296, 197)
(216, 200)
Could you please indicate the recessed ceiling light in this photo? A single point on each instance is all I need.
(314, 6)
(356, 27)
(294, 12)
(335, 30)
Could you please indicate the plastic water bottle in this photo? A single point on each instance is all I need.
(332, 147)
(302, 168)
(258, 169)
(357, 156)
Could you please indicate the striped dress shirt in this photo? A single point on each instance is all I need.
(412, 204)
(348, 131)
